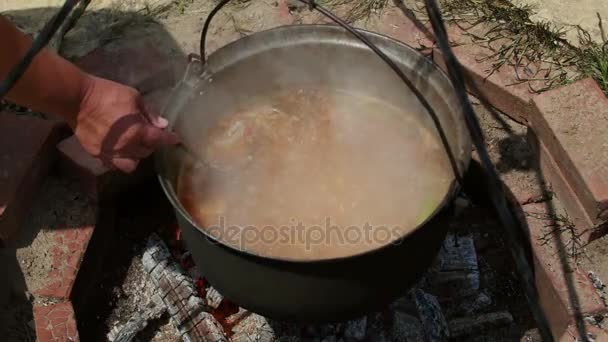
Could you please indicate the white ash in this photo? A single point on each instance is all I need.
(137, 304)
(127, 331)
(599, 285)
(597, 282)
(179, 295)
(251, 327)
(213, 297)
(469, 325)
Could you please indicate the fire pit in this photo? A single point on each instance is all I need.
(465, 294)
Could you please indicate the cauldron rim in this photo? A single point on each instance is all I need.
(448, 196)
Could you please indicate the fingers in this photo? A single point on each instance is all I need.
(153, 137)
(152, 116)
(126, 165)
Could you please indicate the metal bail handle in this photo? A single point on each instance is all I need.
(455, 73)
(311, 5)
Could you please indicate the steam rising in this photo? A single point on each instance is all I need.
(330, 162)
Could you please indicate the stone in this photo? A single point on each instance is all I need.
(140, 65)
(431, 315)
(26, 157)
(469, 325)
(571, 122)
(86, 33)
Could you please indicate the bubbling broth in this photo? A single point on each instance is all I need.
(314, 174)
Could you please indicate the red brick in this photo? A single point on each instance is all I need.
(54, 274)
(501, 89)
(84, 235)
(67, 254)
(562, 189)
(552, 280)
(72, 246)
(70, 235)
(572, 122)
(74, 259)
(141, 65)
(55, 322)
(26, 156)
(59, 314)
(55, 289)
(44, 335)
(572, 334)
(397, 25)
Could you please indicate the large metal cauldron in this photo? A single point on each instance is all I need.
(300, 56)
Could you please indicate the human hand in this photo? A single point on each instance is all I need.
(115, 126)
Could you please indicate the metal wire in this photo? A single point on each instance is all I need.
(313, 5)
(47, 32)
(498, 197)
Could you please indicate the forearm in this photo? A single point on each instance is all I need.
(50, 85)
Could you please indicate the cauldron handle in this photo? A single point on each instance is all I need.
(458, 173)
(511, 223)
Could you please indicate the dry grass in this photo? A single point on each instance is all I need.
(537, 51)
(594, 63)
(523, 44)
(358, 9)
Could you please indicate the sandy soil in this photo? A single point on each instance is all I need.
(568, 14)
(56, 207)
